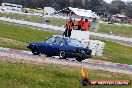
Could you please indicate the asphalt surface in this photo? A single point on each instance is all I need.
(91, 64)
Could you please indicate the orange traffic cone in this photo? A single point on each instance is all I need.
(85, 80)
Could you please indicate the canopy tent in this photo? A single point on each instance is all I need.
(49, 10)
(79, 12)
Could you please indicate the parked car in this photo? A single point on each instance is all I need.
(61, 46)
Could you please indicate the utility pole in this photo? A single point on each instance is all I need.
(71, 2)
(83, 3)
(0, 2)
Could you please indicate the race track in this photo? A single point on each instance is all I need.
(20, 55)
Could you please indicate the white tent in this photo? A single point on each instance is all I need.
(79, 12)
(49, 10)
(83, 12)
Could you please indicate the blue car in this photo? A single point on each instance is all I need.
(61, 46)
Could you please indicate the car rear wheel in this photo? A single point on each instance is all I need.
(62, 54)
(35, 50)
(79, 59)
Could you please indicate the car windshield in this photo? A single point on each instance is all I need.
(74, 42)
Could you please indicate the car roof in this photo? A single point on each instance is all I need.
(60, 36)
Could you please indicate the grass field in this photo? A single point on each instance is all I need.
(25, 75)
(38, 19)
(18, 37)
(120, 30)
(116, 30)
(15, 75)
(115, 52)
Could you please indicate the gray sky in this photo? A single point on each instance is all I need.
(109, 1)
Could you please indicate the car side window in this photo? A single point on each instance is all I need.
(58, 41)
(74, 42)
(50, 40)
(63, 42)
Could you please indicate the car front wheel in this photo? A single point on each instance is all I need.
(35, 50)
(62, 54)
(79, 59)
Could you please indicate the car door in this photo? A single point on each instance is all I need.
(58, 44)
(47, 45)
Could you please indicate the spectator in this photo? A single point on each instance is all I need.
(79, 24)
(85, 25)
(69, 27)
(66, 30)
(95, 24)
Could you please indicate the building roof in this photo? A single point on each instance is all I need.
(121, 16)
(79, 12)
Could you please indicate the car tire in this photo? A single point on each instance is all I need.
(48, 55)
(79, 59)
(35, 50)
(62, 55)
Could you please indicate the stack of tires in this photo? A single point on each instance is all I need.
(96, 46)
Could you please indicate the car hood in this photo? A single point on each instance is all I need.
(35, 43)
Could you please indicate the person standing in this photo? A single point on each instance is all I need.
(71, 26)
(95, 24)
(79, 24)
(66, 30)
(85, 25)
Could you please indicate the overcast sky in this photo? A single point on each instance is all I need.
(109, 1)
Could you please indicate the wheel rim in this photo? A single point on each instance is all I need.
(62, 54)
(34, 50)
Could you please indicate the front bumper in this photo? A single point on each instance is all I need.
(29, 47)
(81, 55)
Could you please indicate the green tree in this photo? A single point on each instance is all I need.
(77, 3)
(63, 3)
(97, 6)
(128, 10)
(118, 5)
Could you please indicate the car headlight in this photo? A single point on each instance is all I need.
(82, 51)
(89, 52)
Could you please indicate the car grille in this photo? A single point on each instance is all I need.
(82, 51)
(77, 50)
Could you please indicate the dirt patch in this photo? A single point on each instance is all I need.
(13, 58)
(11, 42)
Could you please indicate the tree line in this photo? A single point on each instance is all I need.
(99, 6)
